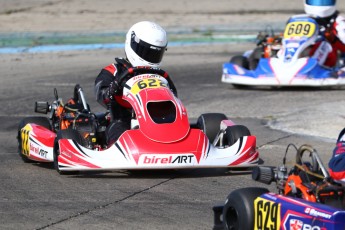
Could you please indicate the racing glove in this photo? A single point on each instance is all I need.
(114, 89)
(330, 36)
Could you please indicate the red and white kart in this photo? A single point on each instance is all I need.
(161, 136)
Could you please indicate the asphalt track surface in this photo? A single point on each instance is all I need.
(35, 196)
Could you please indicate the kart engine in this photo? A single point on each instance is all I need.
(306, 180)
(76, 114)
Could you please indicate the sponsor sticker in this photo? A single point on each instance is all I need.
(294, 222)
(167, 159)
(316, 213)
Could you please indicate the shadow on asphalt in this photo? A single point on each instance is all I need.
(158, 173)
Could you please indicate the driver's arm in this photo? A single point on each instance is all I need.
(102, 83)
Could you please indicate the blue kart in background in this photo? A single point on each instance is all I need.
(291, 63)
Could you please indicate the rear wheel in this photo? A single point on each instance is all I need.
(42, 121)
(238, 211)
(66, 134)
(209, 123)
(233, 133)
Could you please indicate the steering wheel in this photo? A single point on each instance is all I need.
(315, 167)
(134, 71)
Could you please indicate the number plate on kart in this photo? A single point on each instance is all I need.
(25, 139)
(298, 29)
(147, 83)
(267, 214)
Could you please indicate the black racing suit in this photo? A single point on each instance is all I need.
(119, 109)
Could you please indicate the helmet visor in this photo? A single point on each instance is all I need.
(146, 51)
(321, 2)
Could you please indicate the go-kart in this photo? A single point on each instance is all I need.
(161, 135)
(289, 63)
(307, 198)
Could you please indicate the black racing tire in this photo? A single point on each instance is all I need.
(233, 133)
(254, 58)
(209, 123)
(240, 61)
(243, 62)
(42, 121)
(238, 211)
(66, 134)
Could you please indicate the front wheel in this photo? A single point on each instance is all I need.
(240, 61)
(254, 58)
(209, 123)
(235, 132)
(41, 121)
(238, 211)
(65, 134)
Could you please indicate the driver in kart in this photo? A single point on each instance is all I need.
(145, 45)
(332, 25)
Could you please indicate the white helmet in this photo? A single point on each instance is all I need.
(320, 8)
(145, 44)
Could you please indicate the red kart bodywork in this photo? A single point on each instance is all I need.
(161, 137)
